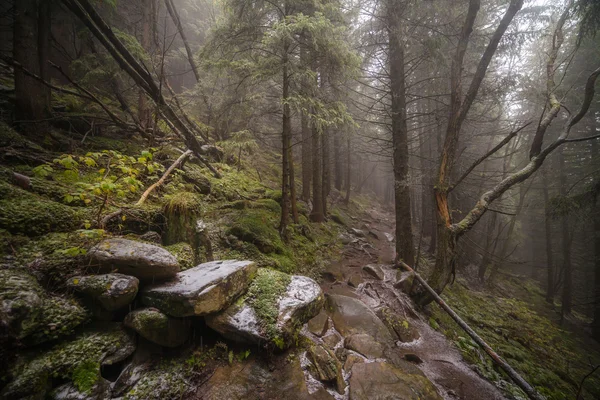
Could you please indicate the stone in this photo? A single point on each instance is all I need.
(110, 291)
(403, 329)
(374, 271)
(158, 328)
(273, 311)
(374, 235)
(351, 316)
(332, 339)
(21, 300)
(130, 375)
(152, 237)
(327, 367)
(413, 358)
(68, 391)
(357, 232)
(365, 344)
(355, 279)
(204, 289)
(352, 359)
(389, 237)
(404, 281)
(319, 324)
(79, 359)
(145, 261)
(193, 175)
(379, 381)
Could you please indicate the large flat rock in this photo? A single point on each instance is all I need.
(202, 290)
(351, 316)
(267, 317)
(383, 381)
(145, 261)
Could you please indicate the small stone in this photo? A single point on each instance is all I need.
(152, 237)
(332, 339)
(328, 367)
(389, 237)
(357, 232)
(403, 329)
(374, 235)
(355, 279)
(352, 359)
(374, 271)
(202, 290)
(145, 261)
(319, 324)
(404, 281)
(158, 328)
(110, 291)
(364, 344)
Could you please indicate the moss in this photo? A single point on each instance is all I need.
(267, 204)
(184, 254)
(59, 317)
(263, 296)
(181, 211)
(85, 376)
(257, 227)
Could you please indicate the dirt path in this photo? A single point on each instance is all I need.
(437, 357)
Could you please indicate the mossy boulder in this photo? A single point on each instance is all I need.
(78, 361)
(181, 212)
(110, 291)
(258, 228)
(31, 315)
(326, 367)
(276, 306)
(158, 328)
(401, 327)
(193, 175)
(184, 254)
(365, 344)
(205, 289)
(145, 261)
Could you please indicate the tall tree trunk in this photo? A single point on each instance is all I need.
(548, 236)
(337, 159)
(316, 214)
(175, 17)
(596, 216)
(293, 198)
(326, 165)
(404, 240)
(147, 39)
(306, 157)
(348, 170)
(31, 46)
(487, 255)
(286, 142)
(567, 293)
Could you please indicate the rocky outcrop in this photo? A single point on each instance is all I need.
(202, 290)
(158, 328)
(110, 291)
(274, 309)
(351, 316)
(145, 261)
(378, 381)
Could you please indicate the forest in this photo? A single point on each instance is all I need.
(310, 199)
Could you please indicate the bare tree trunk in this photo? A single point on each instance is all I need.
(487, 255)
(175, 17)
(293, 201)
(405, 250)
(325, 169)
(567, 293)
(348, 170)
(337, 159)
(596, 216)
(316, 214)
(548, 237)
(306, 155)
(286, 147)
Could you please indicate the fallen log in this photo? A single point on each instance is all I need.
(514, 375)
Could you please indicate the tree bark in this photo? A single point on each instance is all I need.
(306, 157)
(326, 168)
(596, 216)
(548, 237)
(405, 250)
(144, 114)
(337, 160)
(567, 292)
(348, 170)
(286, 148)
(293, 198)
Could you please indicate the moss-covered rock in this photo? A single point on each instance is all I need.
(21, 302)
(59, 317)
(78, 361)
(110, 291)
(404, 331)
(159, 328)
(257, 227)
(181, 211)
(193, 175)
(184, 253)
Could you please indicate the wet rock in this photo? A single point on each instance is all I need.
(59, 317)
(327, 367)
(403, 329)
(130, 375)
(143, 260)
(364, 344)
(389, 237)
(374, 235)
(152, 237)
(378, 381)
(351, 316)
(21, 300)
(205, 289)
(319, 324)
(357, 232)
(158, 328)
(352, 359)
(404, 281)
(355, 279)
(184, 254)
(110, 291)
(374, 271)
(274, 309)
(193, 175)
(345, 239)
(332, 339)
(79, 359)
(99, 391)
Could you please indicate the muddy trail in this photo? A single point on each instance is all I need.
(370, 249)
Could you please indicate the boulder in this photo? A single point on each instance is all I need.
(327, 367)
(78, 360)
(158, 328)
(352, 359)
(99, 391)
(403, 329)
(193, 175)
(374, 271)
(272, 312)
(365, 344)
(331, 339)
(319, 324)
(145, 261)
(152, 237)
(351, 316)
(379, 381)
(355, 279)
(202, 290)
(404, 281)
(110, 291)
(357, 232)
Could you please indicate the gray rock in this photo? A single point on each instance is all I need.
(151, 236)
(355, 279)
(202, 290)
(389, 237)
(319, 324)
(327, 368)
(380, 381)
(142, 260)
(374, 271)
(357, 232)
(404, 281)
(110, 291)
(100, 391)
(352, 359)
(351, 316)
(364, 344)
(400, 326)
(301, 301)
(331, 339)
(158, 328)
(21, 300)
